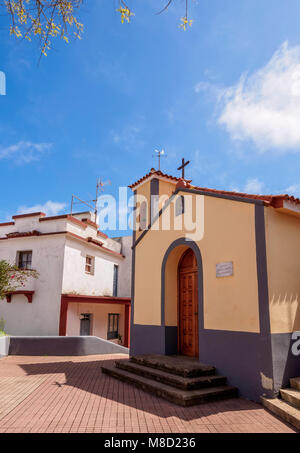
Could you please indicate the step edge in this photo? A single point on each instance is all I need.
(163, 367)
(150, 370)
(288, 395)
(284, 410)
(295, 383)
(205, 392)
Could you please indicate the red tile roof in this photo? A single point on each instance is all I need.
(30, 214)
(43, 218)
(270, 200)
(154, 172)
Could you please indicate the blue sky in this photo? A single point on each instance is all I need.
(224, 94)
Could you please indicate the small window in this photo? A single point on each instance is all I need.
(113, 326)
(89, 264)
(179, 206)
(115, 281)
(24, 260)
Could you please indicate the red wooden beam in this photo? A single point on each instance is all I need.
(127, 326)
(63, 316)
(28, 294)
(82, 299)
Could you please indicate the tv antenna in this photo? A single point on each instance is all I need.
(159, 154)
(92, 204)
(99, 188)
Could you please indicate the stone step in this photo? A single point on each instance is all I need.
(283, 410)
(180, 365)
(177, 396)
(171, 379)
(291, 396)
(295, 383)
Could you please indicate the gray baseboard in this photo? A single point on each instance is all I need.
(60, 346)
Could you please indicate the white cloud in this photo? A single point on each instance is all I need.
(49, 208)
(265, 107)
(254, 186)
(294, 189)
(24, 152)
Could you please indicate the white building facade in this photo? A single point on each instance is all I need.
(84, 281)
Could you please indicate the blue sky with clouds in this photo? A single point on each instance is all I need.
(224, 94)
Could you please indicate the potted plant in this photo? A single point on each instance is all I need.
(4, 339)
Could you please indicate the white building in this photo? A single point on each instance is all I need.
(84, 279)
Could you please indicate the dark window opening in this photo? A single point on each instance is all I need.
(24, 260)
(113, 326)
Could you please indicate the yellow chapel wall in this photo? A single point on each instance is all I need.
(230, 303)
(283, 263)
(165, 188)
(144, 190)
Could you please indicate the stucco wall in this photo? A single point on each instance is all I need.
(283, 261)
(230, 303)
(165, 188)
(124, 280)
(76, 280)
(41, 317)
(60, 261)
(99, 319)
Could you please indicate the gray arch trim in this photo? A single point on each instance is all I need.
(192, 245)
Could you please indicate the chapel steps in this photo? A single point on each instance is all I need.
(178, 379)
(287, 405)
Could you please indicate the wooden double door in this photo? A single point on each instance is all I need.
(188, 342)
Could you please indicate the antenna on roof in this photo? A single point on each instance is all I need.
(159, 154)
(92, 204)
(99, 188)
(79, 201)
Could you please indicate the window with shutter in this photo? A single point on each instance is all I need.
(24, 259)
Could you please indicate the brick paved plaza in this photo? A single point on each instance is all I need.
(70, 394)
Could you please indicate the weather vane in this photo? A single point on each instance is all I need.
(159, 154)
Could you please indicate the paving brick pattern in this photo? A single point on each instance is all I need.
(70, 394)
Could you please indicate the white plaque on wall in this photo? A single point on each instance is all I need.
(224, 269)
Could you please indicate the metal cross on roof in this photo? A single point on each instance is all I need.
(183, 165)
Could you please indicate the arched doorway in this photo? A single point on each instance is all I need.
(188, 343)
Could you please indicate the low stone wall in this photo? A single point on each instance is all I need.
(59, 346)
(4, 345)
